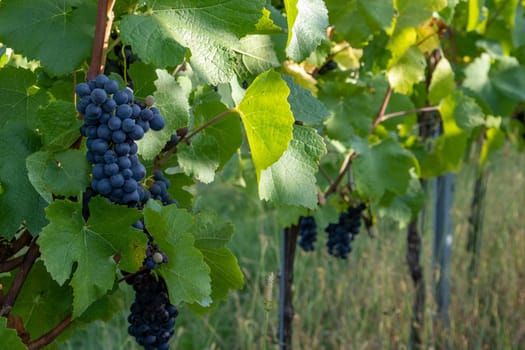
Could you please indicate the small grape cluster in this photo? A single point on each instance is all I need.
(342, 233)
(159, 189)
(152, 317)
(113, 121)
(307, 233)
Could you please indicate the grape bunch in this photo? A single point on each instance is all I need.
(342, 233)
(159, 189)
(113, 121)
(307, 233)
(152, 317)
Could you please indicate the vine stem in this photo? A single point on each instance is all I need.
(340, 176)
(29, 259)
(51, 335)
(100, 42)
(15, 245)
(11, 264)
(382, 109)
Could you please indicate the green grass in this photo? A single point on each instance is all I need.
(365, 302)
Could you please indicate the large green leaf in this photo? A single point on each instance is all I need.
(291, 180)
(411, 13)
(353, 107)
(9, 337)
(42, 303)
(41, 29)
(408, 70)
(19, 202)
(65, 173)
(307, 23)
(58, 125)
(18, 102)
(403, 208)
(497, 85)
(267, 119)
(69, 241)
(214, 146)
(257, 53)
(172, 101)
(211, 30)
(460, 115)
(143, 76)
(305, 107)
(358, 20)
(211, 236)
(383, 167)
(186, 274)
(442, 83)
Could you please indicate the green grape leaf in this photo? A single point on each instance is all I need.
(307, 23)
(460, 112)
(403, 208)
(19, 202)
(42, 29)
(291, 180)
(442, 82)
(353, 107)
(211, 236)
(65, 173)
(186, 274)
(383, 167)
(408, 70)
(9, 337)
(152, 40)
(267, 119)
(305, 107)
(214, 146)
(17, 101)
(257, 53)
(172, 101)
(487, 81)
(200, 159)
(209, 29)
(411, 13)
(143, 77)
(460, 115)
(42, 303)
(358, 20)
(58, 125)
(68, 241)
(178, 190)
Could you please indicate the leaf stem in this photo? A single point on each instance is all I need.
(402, 113)
(160, 160)
(100, 42)
(29, 259)
(207, 124)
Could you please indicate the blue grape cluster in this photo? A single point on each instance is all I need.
(152, 317)
(307, 233)
(113, 121)
(342, 233)
(159, 189)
